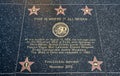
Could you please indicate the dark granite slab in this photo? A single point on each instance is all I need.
(6, 74)
(87, 74)
(108, 18)
(12, 1)
(62, 2)
(10, 27)
(18, 29)
(36, 29)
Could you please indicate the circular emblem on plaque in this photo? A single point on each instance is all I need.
(60, 29)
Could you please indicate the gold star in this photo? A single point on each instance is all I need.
(95, 64)
(87, 10)
(26, 65)
(34, 10)
(60, 10)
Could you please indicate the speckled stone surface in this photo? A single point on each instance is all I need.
(13, 1)
(16, 25)
(108, 19)
(10, 26)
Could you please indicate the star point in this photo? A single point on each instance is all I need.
(26, 65)
(33, 10)
(87, 10)
(60, 10)
(95, 64)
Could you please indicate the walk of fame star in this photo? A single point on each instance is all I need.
(95, 64)
(60, 10)
(26, 65)
(87, 10)
(33, 10)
